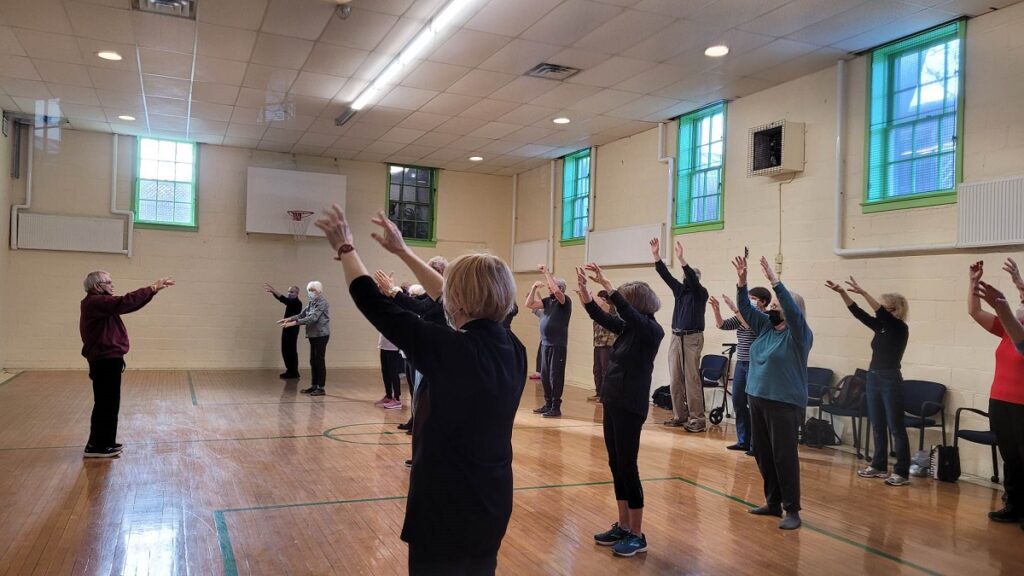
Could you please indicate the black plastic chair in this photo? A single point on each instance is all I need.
(986, 437)
(858, 415)
(818, 381)
(922, 402)
(714, 372)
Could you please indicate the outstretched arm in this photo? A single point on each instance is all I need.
(1011, 267)
(737, 320)
(856, 289)
(718, 313)
(865, 318)
(986, 320)
(757, 320)
(998, 302)
(391, 239)
(552, 285)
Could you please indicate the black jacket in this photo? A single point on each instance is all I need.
(460, 488)
(627, 384)
(691, 297)
(292, 306)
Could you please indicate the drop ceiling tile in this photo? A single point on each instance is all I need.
(571, 21)
(382, 147)
(423, 121)
(122, 81)
(161, 122)
(417, 151)
(673, 111)
(611, 72)
(577, 58)
(531, 150)
(319, 85)
(207, 138)
(268, 78)
(519, 56)
(308, 150)
(208, 111)
(306, 20)
(565, 95)
(281, 51)
(348, 142)
(372, 66)
(253, 98)
(382, 116)
(306, 105)
(436, 139)
(8, 103)
(767, 56)
(800, 66)
(89, 125)
(128, 128)
(481, 83)
(313, 139)
(372, 157)
(798, 14)
(894, 29)
(164, 33)
(488, 109)
(403, 135)
(399, 36)
(32, 105)
(469, 143)
(468, 48)
(527, 114)
(166, 106)
(364, 130)
(680, 36)
(246, 14)
(272, 146)
(853, 22)
(163, 63)
(407, 98)
(510, 18)
(341, 154)
(643, 107)
(449, 104)
(363, 29)
(499, 147)
(224, 42)
(335, 60)
(250, 143)
(291, 121)
(94, 113)
(725, 14)
(653, 79)
(209, 127)
(46, 46)
(460, 126)
(74, 94)
(444, 155)
(214, 93)
(324, 124)
(88, 48)
(253, 131)
(100, 22)
(623, 31)
(165, 87)
(48, 15)
(9, 42)
(18, 67)
(218, 70)
(63, 73)
(433, 76)
(138, 112)
(673, 8)
(282, 135)
(124, 100)
(604, 101)
(528, 135)
(494, 130)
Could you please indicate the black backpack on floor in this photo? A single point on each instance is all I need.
(662, 398)
(818, 433)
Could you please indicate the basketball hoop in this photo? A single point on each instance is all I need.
(299, 223)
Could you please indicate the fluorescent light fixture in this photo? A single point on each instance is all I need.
(126, 117)
(475, 158)
(561, 120)
(410, 53)
(109, 55)
(717, 51)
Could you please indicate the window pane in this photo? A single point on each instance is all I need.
(165, 170)
(410, 176)
(393, 211)
(711, 211)
(948, 133)
(167, 151)
(716, 126)
(396, 192)
(423, 213)
(423, 177)
(716, 154)
(926, 175)
(900, 179)
(165, 211)
(184, 153)
(183, 193)
(584, 166)
(148, 169)
(149, 149)
(952, 88)
(926, 137)
(183, 172)
(165, 191)
(147, 210)
(953, 58)
(947, 171)
(906, 71)
(905, 104)
(423, 195)
(408, 193)
(423, 231)
(902, 141)
(712, 182)
(408, 229)
(932, 96)
(183, 213)
(147, 190)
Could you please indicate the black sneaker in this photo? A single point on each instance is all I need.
(767, 510)
(288, 376)
(408, 463)
(318, 392)
(118, 446)
(553, 413)
(736, 447)
(405, 426)
(612, 536)
(1006, 515)
(309, 390)
(94, 452)
(631, 545)
(542, 410)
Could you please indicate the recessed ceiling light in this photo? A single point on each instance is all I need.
(475, 158)
(109, 55)
(717, 51)
(562, 120)
(126, 117)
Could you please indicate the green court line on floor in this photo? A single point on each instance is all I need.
(4, 383)
(206, 404)
(192, 388)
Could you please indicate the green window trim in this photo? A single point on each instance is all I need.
(575, 197)
(573, 242)
(701, 165)
(888, 87)
(391, 203)
(147, 203)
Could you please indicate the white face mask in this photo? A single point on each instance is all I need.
(312, 295)
(755, 304)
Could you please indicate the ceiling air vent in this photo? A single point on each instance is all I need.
(551, 71)
(179, 8)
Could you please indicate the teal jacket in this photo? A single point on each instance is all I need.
(778, 358)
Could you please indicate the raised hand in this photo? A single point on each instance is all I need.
(581, 277)
(268, 288)
(834, 287)
(732, 305)
(539, 284)
(768, 271)
(543, 268)
(384, 282)
(714, 302)
(656, 249)
(990, 294)
(854, 287)
(335, 226)
(740, 264)
(162, 283)
(679, 252)
(1011, 267)
(390, 238)
(976, 271)
(597, 275)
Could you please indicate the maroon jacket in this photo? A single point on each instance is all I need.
(103, 333)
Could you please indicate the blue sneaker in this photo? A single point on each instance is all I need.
(630, 545)
(612, 536)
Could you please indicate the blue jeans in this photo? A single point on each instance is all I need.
(885, 410)
(739, 403)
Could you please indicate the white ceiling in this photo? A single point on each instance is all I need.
(220, 80)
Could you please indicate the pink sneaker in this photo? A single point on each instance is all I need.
(393, 405)
(535, 376)
(383, 401)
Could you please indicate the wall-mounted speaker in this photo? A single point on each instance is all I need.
(775, 148)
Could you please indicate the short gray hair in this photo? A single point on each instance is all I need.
(93, 279)
(641, 297)
(438, 263)
(560, 282)
(417, 290)
(315, 285)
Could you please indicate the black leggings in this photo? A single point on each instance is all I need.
(391, 364)
(622, 439)
(289, 349)
(1007, 422)
(317, 360)
(106, 392)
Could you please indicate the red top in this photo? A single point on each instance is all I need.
(1008, 382)
(103, 333)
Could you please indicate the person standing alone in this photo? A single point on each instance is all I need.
(554, 338)
(289, 336)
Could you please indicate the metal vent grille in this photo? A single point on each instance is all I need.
(551, 71)
(990, 213)
(179, 8)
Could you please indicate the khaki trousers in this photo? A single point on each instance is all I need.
(685, 381)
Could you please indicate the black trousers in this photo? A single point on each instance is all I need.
(391, 365)
(774, 427)
(622, 439)
(430, 565)
(1007, 421)
(106, 392)
(602, 355)
(540, 357)
(317, 360)
(289, 349)
(552, 373)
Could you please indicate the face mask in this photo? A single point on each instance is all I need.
(312, 295)
(775, 317)
(755, 304)
(291, 296)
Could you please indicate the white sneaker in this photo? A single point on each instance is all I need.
(897, 480)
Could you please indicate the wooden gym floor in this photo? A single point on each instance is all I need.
(235, 472)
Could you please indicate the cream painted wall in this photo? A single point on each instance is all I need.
(218, 315)
(946, 346)
(5, 228)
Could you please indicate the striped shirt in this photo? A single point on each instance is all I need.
(744, 338)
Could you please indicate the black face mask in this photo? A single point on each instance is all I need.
(775, 317)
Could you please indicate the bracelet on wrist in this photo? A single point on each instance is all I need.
(344, 249)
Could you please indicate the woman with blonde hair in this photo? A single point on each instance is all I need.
(460, 487)
(885, 381)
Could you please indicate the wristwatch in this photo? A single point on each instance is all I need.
(344, 249)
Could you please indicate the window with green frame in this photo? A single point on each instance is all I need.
(915, 96)
(575, 196)
(699, 179)
(165, 183)
(412, 192)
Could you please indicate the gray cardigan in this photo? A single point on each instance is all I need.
(316, 317)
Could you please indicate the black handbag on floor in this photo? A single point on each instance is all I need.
(945, 463)
(818, 433)
(662, 398)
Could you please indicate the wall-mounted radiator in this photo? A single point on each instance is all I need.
(74, 233)
(991, 213)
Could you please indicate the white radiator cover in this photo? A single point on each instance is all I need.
(623, 246)
(527, 255)
(71, 233)
(991, 213)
